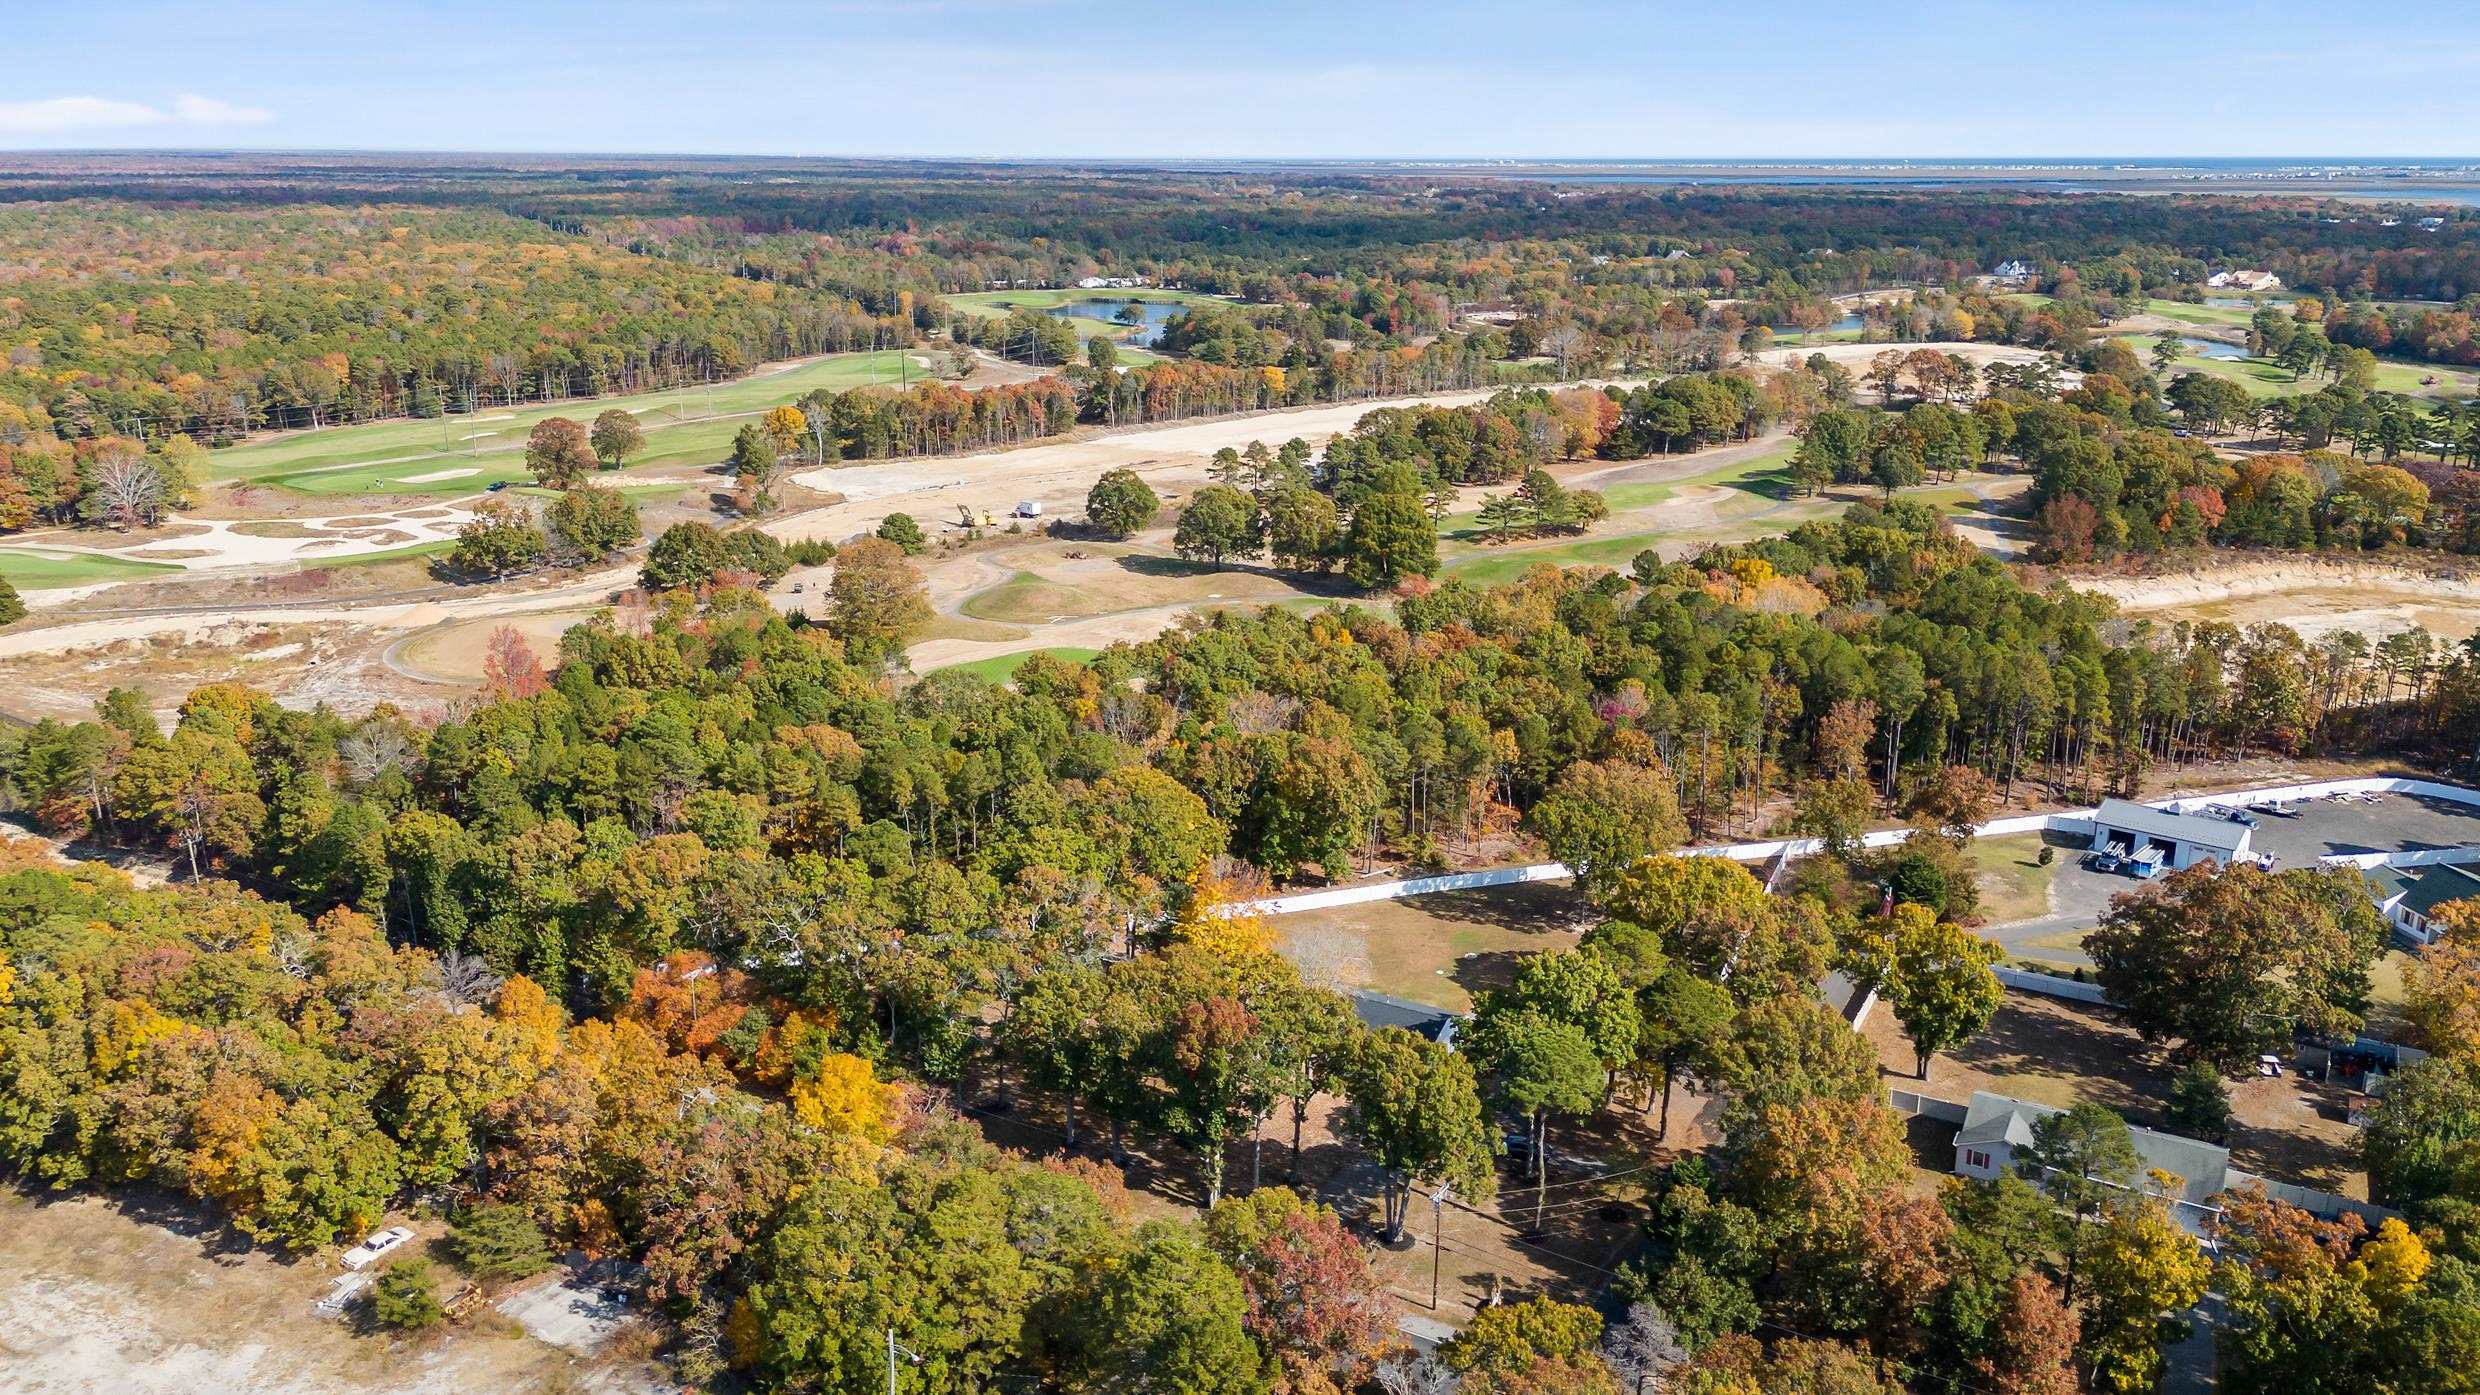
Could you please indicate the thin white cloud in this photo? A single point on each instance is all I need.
(215, 111)
(58, 116)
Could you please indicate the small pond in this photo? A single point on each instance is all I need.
(1157, 313)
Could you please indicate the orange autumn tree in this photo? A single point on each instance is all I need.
(688, 1002)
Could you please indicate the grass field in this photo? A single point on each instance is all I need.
(999, 668)
(1436, 949)
(2013, 884)
(2220, 316)
(681, 425)
(2265, 378)
(44, 571)
(1762, 475)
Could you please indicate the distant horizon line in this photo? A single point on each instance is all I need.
(1725, 161)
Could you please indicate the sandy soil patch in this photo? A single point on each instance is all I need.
(456, 652)
(94, 1297)
(2314, 596)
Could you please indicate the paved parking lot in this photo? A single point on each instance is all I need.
(2325, 828)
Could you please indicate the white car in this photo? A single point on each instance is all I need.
(364, 1254)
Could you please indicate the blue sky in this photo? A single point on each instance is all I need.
(1281, 78)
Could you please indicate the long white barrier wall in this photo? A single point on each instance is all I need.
(2074, 821)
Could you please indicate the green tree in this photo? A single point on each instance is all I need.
(2422, 1145)
(499, 1242)
(1603, 817)
(500, 540)
(1942, 988)
(1391, 537)
(558, 452)
(1120, 505)
(2199, 1102)
(1415, 1108)
(2082, 1157)
(586, 524)
(1301, 530)
(1686, 1021)
(615, 438)
(1219, 522)
(2231, 963)
(1540, 1067)
(900, 529)
(12, 609)
(684, 555)
(1170, 1317)
(1509, 1338)
(406, 1297)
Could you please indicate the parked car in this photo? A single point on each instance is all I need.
(2103, 861)
(363, 1255)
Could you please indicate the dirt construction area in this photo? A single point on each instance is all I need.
(1438, 949)
(98, 1296)
(2315, 598)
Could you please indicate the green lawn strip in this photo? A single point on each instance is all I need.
(43, 571)
(2014, 884)
(1499, 566)
(2187, 313)
(1000, 668)
(406, 478)
(1765, 474)
(435, 548)
(460, 437)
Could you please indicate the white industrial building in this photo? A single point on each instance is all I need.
(2176, 840)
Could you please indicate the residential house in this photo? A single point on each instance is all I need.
(2189, 1175)
(2410, 896)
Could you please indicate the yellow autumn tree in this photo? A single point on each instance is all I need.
(2391, 1264)
(844, 1099)
(1212, 921)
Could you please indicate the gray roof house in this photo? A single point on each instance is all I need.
(2408, 896)
(1997, 1130)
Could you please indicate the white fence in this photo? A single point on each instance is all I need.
(2050, 985)
(2077, 822)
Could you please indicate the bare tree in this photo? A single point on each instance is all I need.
(1644, 1347)
(464, 978)
(371, 750)
(1422, 1375)
(125, 490)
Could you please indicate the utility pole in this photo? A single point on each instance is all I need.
(893, 1347)
(1437, 1238)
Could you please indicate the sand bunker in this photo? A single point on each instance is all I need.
(437, 475)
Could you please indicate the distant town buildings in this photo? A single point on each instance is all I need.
(2011, 270)
(1112, 283)
(2243, 281)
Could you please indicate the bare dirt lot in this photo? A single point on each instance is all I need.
(2314, 597)
(105, 1297)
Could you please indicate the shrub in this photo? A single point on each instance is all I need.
(499, 1242)
(406, 1297)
